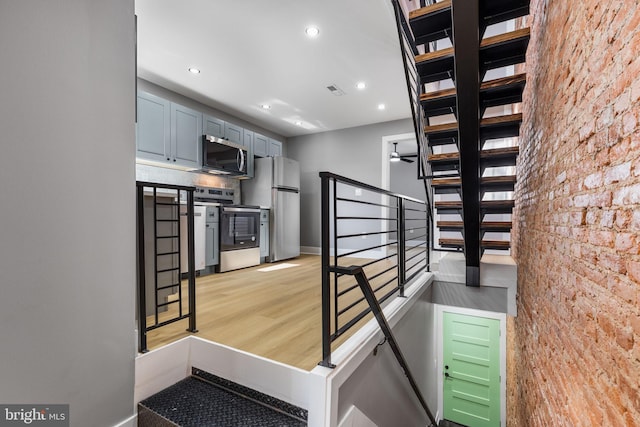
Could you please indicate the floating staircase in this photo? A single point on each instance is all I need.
(470, 128)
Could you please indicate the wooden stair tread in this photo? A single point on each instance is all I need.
(509, 119)
(431, 22)
(500, 120)
(486, 225)
(445, 127)
(428, 10)
(487, 86)
(499, 39)
(484, 181)
(484, 204)
(432, 56)
(438, 94)
(486, 244)
(484, 154)
(503, 81)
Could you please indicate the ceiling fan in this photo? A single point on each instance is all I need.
(396, 157)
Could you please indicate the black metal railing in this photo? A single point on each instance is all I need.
(361, 278)
(415, 89)
(384, 233)
(159, 212)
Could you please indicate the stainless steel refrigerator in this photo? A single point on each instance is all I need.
(276, 186)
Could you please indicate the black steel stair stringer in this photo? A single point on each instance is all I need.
(465, 16)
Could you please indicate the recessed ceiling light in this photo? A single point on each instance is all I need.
(312, 31)
(361, 85)
(194, 70)
(381, 107)
(298, 123)
(265, 106)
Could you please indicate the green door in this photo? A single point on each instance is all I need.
(471, 347)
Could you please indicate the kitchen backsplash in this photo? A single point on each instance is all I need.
(149, 173)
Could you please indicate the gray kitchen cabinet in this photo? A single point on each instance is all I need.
(153, 130)
(275, 148)
(260, 145)
(213, 126)
(233, 133)
(168, 133)
(186, 136)
(212, 253)
(264, 233)
(248, 144)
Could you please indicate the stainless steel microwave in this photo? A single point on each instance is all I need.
(223, 157)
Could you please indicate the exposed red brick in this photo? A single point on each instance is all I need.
(576, 340)
(633, 270)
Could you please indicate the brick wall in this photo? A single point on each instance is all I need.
(574, 349)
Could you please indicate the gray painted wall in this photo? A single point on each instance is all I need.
(67, 233)
(355, 153)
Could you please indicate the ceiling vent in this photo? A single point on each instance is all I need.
(335, 90)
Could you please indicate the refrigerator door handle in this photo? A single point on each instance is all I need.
(289, 189)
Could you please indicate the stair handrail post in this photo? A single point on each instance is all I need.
(142, 303)
(192, 261)
(325, 260)
(401, 234)
(369, 295)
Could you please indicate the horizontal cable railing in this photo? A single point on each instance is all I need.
(384, 233)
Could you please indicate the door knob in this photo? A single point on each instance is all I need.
(446, 374)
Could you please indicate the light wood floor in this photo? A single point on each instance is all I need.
(275, 314)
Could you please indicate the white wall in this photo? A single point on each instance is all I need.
(67, 223)
(378, 387)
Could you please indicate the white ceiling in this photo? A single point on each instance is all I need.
(253, 52)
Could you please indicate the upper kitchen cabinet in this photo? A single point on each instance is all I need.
(153, 131)
(213, 126)
(249, 140)
(266, 147)
(233, 133)
(223, 130)
(260, 145)
(167, 132)
(275, 148)
(186, 125)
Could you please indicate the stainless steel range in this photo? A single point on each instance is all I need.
(239, 237)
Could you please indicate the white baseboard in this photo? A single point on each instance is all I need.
(132, 421)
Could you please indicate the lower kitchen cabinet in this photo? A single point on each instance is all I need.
(264, 233)
(212, 252)
(212, 245)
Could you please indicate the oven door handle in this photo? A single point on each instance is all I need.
(249, 210)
